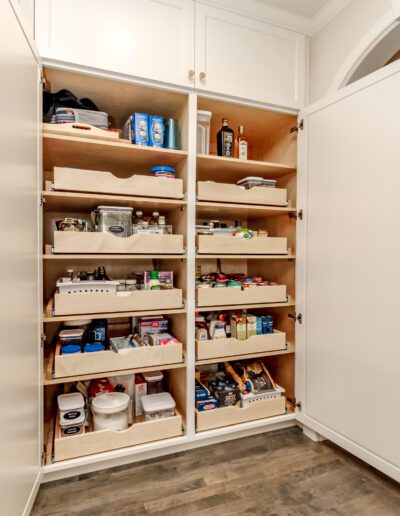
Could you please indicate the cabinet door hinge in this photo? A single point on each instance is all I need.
(298, 215)
(43, 338)
(42, 200)
(42, 81)
(295, 403)
(297, 317)
(298, 127)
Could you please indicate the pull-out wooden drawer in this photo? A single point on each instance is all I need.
(219, 245)
(225, 416)
(137, 300)
(236, 296)
(225, 192)
(91, 242)
(106, 440)
(80, 180)
(109, 360)
(220, 348)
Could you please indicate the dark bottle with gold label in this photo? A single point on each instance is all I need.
(225, 140)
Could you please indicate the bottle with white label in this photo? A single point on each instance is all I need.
(241, 144)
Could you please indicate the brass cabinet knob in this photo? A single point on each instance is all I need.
(191, 74)
(202, 75)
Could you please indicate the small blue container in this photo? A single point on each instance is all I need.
(93, 347)
(70, 349)
(163, 171)
(156, 131)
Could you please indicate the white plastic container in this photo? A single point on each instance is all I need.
(110, 411)
(71, 407)
(158, 406)
(203, 131)
(72, 428)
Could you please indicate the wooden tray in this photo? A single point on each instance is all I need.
(105, 440)
(219, 245)
(78, 129)
(225, 192)
(220, 348)
(235, 296)
(108, 360)
(225, 416)
(91, 242)
(80, 180)
(137, 300)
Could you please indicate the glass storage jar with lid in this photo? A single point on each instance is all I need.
(114, 219)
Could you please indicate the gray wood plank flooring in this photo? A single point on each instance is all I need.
(276, 474)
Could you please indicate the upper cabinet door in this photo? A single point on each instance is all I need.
(242, 57)
(348, 277)
(150, 39)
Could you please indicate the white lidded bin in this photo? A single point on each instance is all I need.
(203, 131)
(71, 407)
(158, 406)
(110, 411)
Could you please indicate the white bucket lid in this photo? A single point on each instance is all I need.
(115, 208)
(158, 402)
(204, 116)
(72, 401)
(110, 403)
(77, 322)
(70, 334)
(153, 376)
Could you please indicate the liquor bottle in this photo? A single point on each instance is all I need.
(241, 144)
(225, 140)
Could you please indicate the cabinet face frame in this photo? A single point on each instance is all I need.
(356, 92)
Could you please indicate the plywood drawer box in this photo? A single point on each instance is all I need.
(137, 300)
(214, 244)
(236, 296)
(109, 360)
(219, 348)
(225, 416)
(80, 180)
(224, 192)
(92, 242)
(106, 440)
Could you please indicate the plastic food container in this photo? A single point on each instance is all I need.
(93, 347)
(154, 382)
(71, 337)
(75, 428)
(71, 408)
(158, 406)
(203, 132)
(114, 219)
(110, 411)
(71, 349)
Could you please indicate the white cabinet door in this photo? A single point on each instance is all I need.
(151, 39)
(20, 427)
(242, 57)
(348, 347)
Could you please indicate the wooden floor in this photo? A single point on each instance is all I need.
(278, 474)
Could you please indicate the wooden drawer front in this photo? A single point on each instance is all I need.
(236, 296)
(211, 244)
(106, 440)
(226, 416)
(139, 300)
(79, 180)
(219, 348)
(108, 360)
(224, 192)
(76, 242)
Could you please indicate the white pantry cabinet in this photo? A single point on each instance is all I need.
(151, 39)
(243, 57)
(343, 351)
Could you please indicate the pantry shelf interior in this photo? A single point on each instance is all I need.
(289, 350)
(109, 315)
(73, 202)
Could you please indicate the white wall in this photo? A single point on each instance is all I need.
(334, 42)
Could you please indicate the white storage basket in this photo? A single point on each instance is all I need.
(87, 287)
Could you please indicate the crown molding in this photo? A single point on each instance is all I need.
(266, 13)
(331, 9)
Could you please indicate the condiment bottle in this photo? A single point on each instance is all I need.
(154, 283)
(225, 140)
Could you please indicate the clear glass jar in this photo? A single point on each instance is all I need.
(114, 219)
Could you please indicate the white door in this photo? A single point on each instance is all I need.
(243, 57)
(20, 432)
(348, 351)
(150, 39)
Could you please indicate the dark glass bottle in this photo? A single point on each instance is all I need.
(225, 140)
